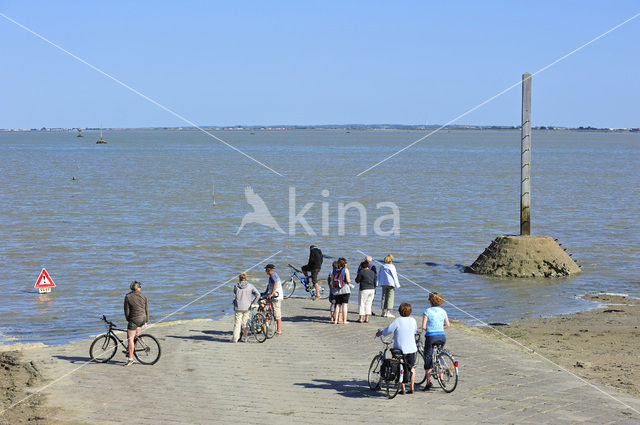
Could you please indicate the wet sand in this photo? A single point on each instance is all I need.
(602, 344)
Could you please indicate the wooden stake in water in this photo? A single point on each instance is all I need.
(213, 193)
(525, 158)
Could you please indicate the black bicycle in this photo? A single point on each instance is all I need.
(103, 348)
(390, 372)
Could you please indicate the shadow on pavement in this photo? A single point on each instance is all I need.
(346, 388)
(80, 359)
(210, 335)
(74, 359)
(317, 319)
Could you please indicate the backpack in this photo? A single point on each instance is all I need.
(337, 282)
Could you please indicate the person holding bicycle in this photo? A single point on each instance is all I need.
(242, 302)
(404, 330)
(434, 321)
(313, 266)
(136, 311)
(274, 293)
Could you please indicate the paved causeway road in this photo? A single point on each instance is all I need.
(315, 373)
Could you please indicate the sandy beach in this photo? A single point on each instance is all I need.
(602, 344)
(316, 372)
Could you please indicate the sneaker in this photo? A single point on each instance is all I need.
(409, 391)
(130, 362)
(389, 315)
(244, 339)
(427, 387)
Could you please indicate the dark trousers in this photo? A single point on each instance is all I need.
(314, 273)
(429, 340)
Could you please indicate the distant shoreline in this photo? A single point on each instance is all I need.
(346, 128)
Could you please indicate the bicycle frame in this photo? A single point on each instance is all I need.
(111, 327)
(304, 279)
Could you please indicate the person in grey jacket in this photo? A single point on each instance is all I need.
(242, 303)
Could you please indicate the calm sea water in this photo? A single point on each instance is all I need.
(141, 208)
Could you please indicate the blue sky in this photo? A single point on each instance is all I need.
(269, 63)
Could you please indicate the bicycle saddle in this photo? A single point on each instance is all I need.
(395, 352)
(437, 344)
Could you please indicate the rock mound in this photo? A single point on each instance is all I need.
(524, 256)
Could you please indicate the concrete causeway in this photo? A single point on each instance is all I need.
(315, 373)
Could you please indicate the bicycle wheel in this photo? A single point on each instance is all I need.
(421, 372)
(324, 292)
(147, 349)
(447, 372)
(270, 324)
(259, 327)
(392, 387)
(288, 287)
(374, 377)
(103, 348)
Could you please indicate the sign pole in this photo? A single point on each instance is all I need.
(525, 157)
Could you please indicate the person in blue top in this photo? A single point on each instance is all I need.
(404, 338)
(274, 293)
(434, 321)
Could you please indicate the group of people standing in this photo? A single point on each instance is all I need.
(369, 278)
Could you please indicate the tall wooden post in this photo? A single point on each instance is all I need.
(525, 158)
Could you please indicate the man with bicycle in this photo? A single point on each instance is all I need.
(313, 266)
(275, 294)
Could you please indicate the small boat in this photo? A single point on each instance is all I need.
(101, 140)
(79, 133)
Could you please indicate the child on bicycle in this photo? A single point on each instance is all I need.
(434, 321)
(404, 330)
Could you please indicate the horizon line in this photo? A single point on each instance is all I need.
(329, 127)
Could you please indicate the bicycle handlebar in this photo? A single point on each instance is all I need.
(109, 322)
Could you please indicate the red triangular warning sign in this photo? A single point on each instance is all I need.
(44, 280)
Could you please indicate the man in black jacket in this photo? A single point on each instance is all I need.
(313, 266)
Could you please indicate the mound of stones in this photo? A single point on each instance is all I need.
(524, 256)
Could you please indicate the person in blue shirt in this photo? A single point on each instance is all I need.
(434, 322)
(274, 293)
(404, 338)
(387, 277)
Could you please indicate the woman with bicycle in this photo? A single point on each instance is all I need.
(404, 330)
(434, 321)
(136, 311)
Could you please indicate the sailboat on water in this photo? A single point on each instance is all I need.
(101, 140)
